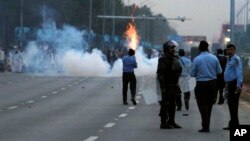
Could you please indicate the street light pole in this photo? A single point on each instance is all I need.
(113, 13)
(103, 21)
(247, 10)
(90, 14)
(44, 14)
(232, 21)
(21, 25)
(103, 24)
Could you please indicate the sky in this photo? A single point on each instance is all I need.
(207, 15)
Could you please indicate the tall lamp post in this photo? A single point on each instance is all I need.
(21, 25)
(232, 21)
(90, 14)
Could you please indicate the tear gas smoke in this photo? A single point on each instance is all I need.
(62, 52)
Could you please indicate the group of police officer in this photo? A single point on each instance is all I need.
(205, 68)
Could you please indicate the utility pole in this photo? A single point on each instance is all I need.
(113, 13)
(44, 14)
(90, 15)
(247, 10)
(103, 24)
(232, 21)
(103, 21)
(21, 25)
(90, 24)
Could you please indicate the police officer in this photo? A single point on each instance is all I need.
(128, 76)
(168, 73)
(233, 77)
(205, 68)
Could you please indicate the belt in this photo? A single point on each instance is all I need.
(205, 82)
(233, 81)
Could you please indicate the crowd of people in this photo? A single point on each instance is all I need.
(221, 73)
(14, 60)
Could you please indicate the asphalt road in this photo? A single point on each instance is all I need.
(38, 108)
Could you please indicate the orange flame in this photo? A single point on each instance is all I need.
(132, 36)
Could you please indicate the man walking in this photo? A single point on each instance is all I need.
(220, 78)
(128, 76)
(186, 65)
(168, 73)
(233, 77)
(205, 68)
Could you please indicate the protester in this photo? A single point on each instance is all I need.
(186, 65)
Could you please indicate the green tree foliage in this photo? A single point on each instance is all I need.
(76, 13)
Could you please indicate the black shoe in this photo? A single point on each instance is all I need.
(204, 130)
(226, 128)
(133, 101)
(125, 103)
(176, 125)
(166, 126)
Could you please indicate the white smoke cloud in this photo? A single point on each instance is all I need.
(30, 54)
(66, 56)
(85, 64)
(145, 66)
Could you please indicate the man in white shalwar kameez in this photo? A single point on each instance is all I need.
(186, 65)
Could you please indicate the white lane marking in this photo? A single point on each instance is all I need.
(44, 96)
(13, 107)
(100, 131)
(69, 85)
(138, 97)
(131, 108)
(92, 138)
(76, 83)
(9, 82)
(116, 119)
(137, 102)
(55, 92)
(63, 88)
(122, 115)
(31, 101)
(109, 125)
(1, 110)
